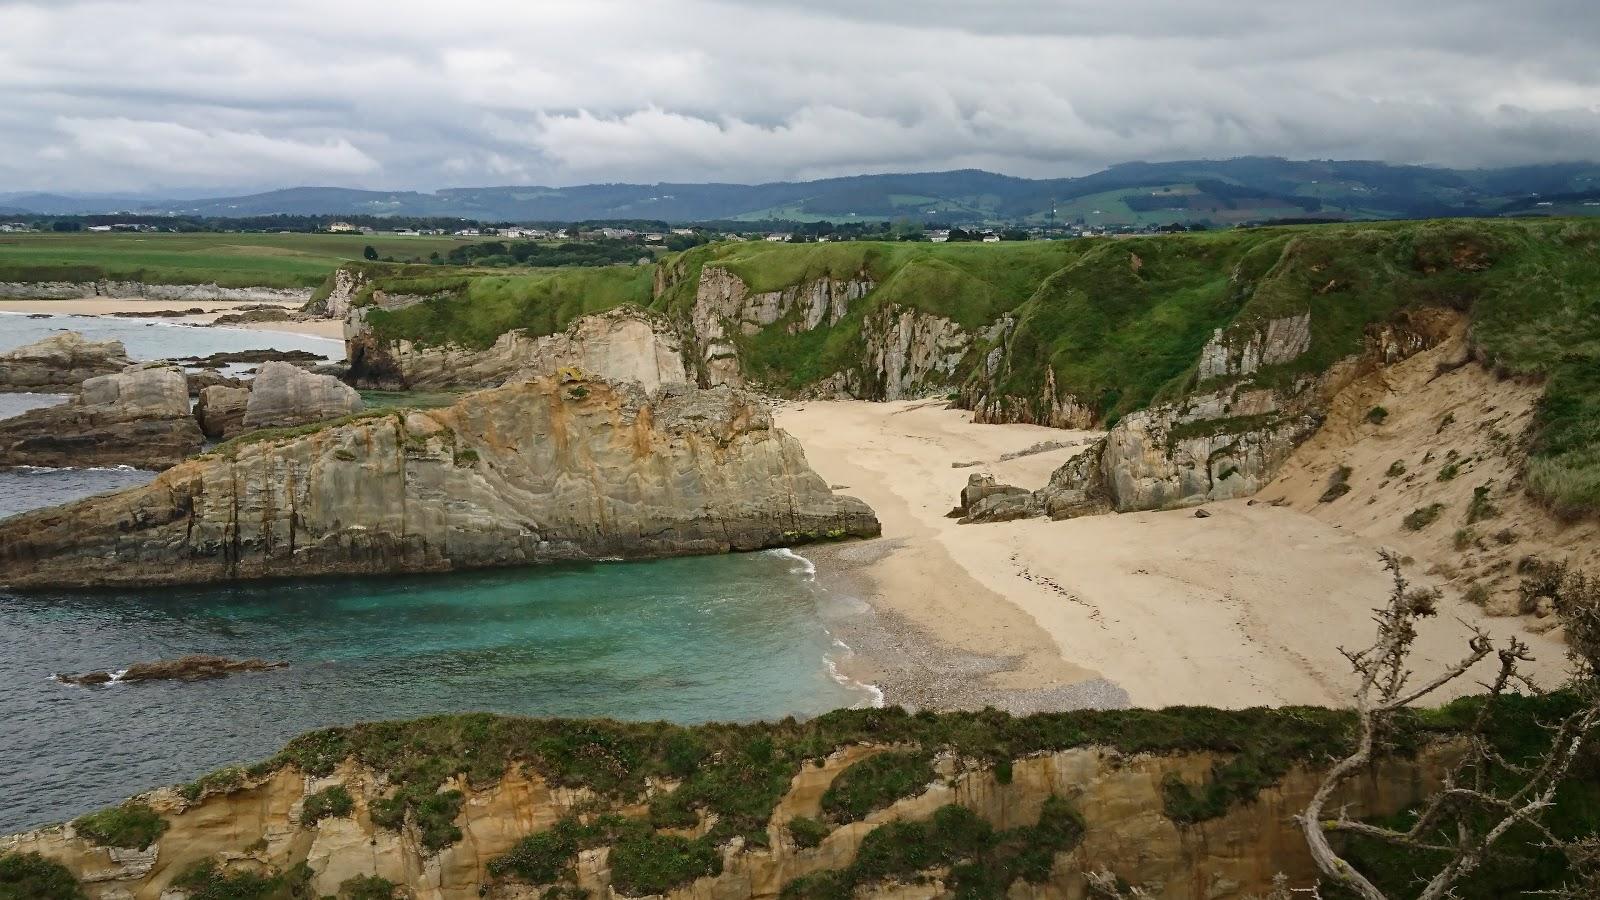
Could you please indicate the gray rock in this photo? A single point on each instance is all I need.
(544, 470)
(59, 363)
(220, 411)
(138, 418)
(285, 395)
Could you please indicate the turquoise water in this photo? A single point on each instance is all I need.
(689, 640)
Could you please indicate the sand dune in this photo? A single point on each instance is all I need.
(1247, 607)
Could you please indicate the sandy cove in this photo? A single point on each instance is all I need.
(106, 306)
(1245, 608)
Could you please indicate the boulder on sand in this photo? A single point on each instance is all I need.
(284, 396)
(59, 363)
(137, 418)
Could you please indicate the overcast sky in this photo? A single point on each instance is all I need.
(244, 94)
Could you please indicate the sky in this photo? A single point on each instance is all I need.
(188, 96)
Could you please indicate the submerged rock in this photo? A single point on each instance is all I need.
(544, 470)
(59, 363)
(285, 396)
(195, 667)
(137, 418)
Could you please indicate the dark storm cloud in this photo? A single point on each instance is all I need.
(169, 93)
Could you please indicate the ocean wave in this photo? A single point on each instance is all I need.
(806, 567)
(874, 698)
(46, 470)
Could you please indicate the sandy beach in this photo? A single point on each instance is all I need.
(106, 306)
(1247, 607)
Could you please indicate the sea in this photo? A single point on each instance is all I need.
(726, 638)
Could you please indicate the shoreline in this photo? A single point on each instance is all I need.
(107, 307)
(1246, 607)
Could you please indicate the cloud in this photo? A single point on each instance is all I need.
(121, 95)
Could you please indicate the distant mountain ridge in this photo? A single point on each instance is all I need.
(1219, 191)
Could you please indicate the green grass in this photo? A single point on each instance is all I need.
(330, 802)
(207, 880)
(983, 862)
(29, 876)
(133, 825)
(876, 782)
(229, 260)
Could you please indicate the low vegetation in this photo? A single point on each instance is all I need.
(1422, 516)
(29, 876)
(981, 861)
(209, 880)
(133, 825)
(876, 782)
(331, 802)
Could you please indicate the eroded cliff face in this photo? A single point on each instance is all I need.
(992, 405)
(258, 824)
(543, 470)
(1232, 434)
(624, 344)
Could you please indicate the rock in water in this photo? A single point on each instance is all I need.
(220, 410)
(285, 395)
(59, 363)
(543, 470)
(195, 667)
(138, 418)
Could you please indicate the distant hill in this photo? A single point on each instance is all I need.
(1217, 191)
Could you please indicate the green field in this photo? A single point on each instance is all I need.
(229, 260)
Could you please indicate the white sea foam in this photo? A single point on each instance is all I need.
(806, 567)
(874, 698)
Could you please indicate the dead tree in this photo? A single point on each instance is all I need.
(1483, 796)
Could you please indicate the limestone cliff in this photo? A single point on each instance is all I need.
(139, 418)
(624, 344)
(544, 470)
(1228, 438)
(725, 308)
(337, 817)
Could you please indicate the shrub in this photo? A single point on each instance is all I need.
(1463, 538)
(1476, 594)
(133, 825)
(1377, 415)
(876, 782)
(220, 781)
(334, 802)
(1338, 485)
(368, 887)
(207, 880)
(1396, 469)
(1422, 516)
(1481, 506)
(434, 812)
(1448, 420)
(645, 862)
(1449, 471)
(807, 832)
(29, 876)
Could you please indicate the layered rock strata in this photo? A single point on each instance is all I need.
(544, 470)
(59, 363)
(138, 418)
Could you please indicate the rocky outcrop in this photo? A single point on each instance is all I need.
(195, 667)
(138, 418)
(176, 293)
(258, 822)
(220, 411)
(59, 363)
(912, 354)
(536, 471)
(993, 403)
(284, 396)
(724, 306)
(624, 344)
(1228, 441)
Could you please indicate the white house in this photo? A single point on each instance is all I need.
(343, 227)
(778, 237)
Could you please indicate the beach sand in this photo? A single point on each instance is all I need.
(105, 306)
(1247, 607)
